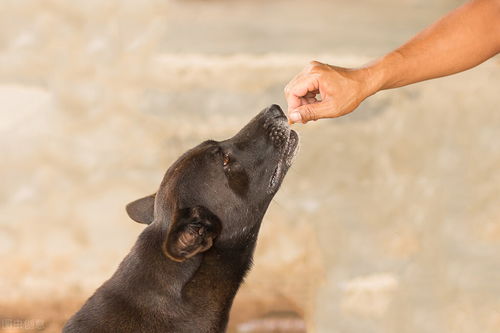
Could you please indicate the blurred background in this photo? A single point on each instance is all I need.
(389, 221)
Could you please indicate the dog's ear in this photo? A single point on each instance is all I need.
(193, 230)
(142, 210)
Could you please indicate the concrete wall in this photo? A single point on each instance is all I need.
(388, 222)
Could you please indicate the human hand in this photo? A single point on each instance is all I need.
(341, 91)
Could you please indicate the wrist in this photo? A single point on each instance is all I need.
(378, 73)
(372, 79)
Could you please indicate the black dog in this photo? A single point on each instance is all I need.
(185, 268)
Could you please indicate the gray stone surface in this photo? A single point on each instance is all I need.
(389, 220)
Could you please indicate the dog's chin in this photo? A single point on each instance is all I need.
(287, 155)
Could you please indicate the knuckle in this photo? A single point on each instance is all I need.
(316, 65)
(312, 65)
(309, 113)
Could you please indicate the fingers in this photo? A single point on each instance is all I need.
(302, 89)
(308, 112)
(341, 90)
(306, 85)
(301, 98)
(293, 102)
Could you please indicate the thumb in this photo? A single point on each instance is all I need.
(306, 113)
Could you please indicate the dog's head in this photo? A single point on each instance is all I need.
(218, 192)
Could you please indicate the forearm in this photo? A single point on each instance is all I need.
(461, 40)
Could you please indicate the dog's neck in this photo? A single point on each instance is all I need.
(202, 287)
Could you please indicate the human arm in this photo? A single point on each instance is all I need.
(460, 40)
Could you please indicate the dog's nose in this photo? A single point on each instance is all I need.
(274, 111)
(274, 107)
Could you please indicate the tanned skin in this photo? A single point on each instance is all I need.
(462, 39)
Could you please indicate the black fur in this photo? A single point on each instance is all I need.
(187, 265)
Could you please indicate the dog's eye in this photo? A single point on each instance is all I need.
(225, 159)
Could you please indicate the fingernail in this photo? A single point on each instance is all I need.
(295, 117)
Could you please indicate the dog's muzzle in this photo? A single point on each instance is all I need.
(284, 140)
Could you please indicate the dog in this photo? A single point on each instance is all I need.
(186, 266)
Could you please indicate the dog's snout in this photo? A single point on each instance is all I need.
(276, 126)
(278, 135)
(275, 107)
(272, 114)
(275, 111)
